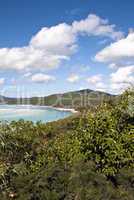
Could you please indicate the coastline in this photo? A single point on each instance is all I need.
(72, 110)
(67, 112)
(65, 109)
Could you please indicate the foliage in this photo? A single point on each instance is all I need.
(86, 157)
(77, 99)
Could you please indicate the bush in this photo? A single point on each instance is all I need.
(87, 157)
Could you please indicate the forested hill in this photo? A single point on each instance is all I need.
(81, 98)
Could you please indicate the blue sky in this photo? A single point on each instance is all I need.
(50, 46)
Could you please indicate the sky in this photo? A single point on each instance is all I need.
(57, 46)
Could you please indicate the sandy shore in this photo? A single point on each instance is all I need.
(65, 109)
(52, 107)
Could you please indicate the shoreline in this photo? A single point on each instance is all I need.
(72, 110)
(66, 109)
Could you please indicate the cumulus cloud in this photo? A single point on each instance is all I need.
(118, 88)
(117, 81)
(122, 79)
(94, 25)
(58, 40)
(73, 78)
(123, 75)
(45, 50)
(95, 79)
(42, 78)
(120, 51)
(27, 74)
(97, 83)
(100, 86)
(51, 45)
(113, 66)
(120, 56)
(27, 57)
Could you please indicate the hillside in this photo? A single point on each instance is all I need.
(84, 157)
(81, 98)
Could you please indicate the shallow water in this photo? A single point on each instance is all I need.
(31, 113)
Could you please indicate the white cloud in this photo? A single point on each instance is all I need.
(100, 85)
(95, 79)
(51, 45)
(27, 57)
(73, 78)
(118, 88)
(58, 40)
(96, 82)
(42, 78)
(94, 25)
(120, 51)
(123, 75)
(27, 74)
(113, 66)
(45, 50)
(122, 79)
(2, 81)
(120, 56)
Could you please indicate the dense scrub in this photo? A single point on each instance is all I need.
(87, 157)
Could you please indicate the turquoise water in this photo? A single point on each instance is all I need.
(31, 113)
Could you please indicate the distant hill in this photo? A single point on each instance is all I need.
(81, 98)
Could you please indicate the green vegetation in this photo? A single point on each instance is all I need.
(83, 98)
(85, 157)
